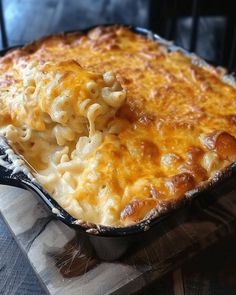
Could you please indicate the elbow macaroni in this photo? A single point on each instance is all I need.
(70, 108)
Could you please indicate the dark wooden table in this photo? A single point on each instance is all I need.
(211, 272)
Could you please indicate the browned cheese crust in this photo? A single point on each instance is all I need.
(180, 118)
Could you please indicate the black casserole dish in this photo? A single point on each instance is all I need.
(111, 242)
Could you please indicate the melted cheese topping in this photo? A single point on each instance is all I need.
(175, 129)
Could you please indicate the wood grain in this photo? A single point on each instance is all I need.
(64, 264)
(16, 274)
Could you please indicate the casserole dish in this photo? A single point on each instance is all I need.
(111, 242)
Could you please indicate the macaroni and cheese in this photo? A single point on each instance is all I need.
(113, 124)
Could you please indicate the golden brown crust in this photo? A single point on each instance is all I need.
(223, 143)
(180, 117)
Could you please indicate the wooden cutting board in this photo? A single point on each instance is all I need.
(61, 259)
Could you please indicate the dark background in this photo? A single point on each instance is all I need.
(206, 27)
